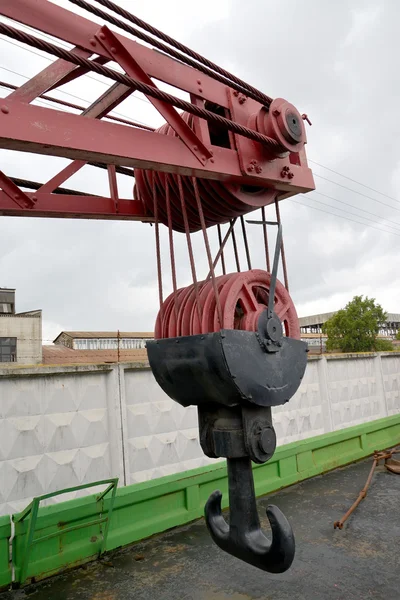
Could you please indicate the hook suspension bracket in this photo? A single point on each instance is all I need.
(234, 377)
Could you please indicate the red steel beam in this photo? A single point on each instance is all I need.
(37, 129)
(85, 138)
(75, 207)
(79, 71)
(47, 79)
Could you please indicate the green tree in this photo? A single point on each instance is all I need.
(398, 335)
(355, 328)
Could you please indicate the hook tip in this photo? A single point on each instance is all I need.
(283, 542)
(213, 504)
(215, 521)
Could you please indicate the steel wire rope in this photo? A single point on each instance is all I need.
(235, 81)
(142, 87)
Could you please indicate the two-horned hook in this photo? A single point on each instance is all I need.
(243, 537)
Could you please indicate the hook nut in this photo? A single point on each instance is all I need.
(267, 441)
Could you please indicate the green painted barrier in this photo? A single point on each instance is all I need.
(43, 545)
(141, 510)
(5, 565)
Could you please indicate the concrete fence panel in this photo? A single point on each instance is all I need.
(390, 368)
(65, 426)
(355, 391)
(58, 429)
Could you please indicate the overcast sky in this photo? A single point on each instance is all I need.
(336, 61)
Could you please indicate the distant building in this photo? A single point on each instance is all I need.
(316, 342)
(103, 340)
(95, 347)
(311, 330)
(20, 333)
(313, 324)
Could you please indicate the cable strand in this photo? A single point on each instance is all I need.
(251, 91)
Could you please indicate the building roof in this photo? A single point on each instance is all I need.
(29, 314)
(106, 335)
(61, 355)
(323, 317)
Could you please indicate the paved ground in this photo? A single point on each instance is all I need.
(360, 562)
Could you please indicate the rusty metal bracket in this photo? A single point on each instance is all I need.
(390, 463)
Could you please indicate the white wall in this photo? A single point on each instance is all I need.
(28, 331)
(62, 426)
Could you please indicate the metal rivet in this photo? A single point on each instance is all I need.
(212, 160)
(102, 36)
(198, 81)
(17, 196)
(92, 42)
(34, 199)
(113, 49)
(195, 148)
(200, 89)
(5, 110)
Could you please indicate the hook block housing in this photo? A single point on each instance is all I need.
(229, 368)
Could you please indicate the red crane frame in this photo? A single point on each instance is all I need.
(88, 138)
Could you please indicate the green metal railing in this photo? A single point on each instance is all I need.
(33, 510)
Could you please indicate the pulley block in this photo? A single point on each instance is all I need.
(243, 297)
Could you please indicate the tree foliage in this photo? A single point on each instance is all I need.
(398, 335)
(355, 328)
(383, 345)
